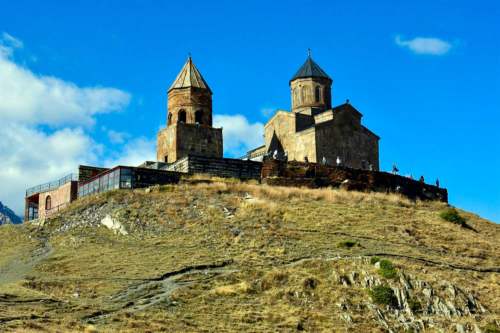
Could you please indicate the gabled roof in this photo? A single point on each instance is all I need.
(310, 69)
(189, 76)
(346, 107)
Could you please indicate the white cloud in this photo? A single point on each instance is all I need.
(117, 137)
(425, 45)
(29, 153)
(239, 134)
(134, 152)
(29, 98)
(29, 157)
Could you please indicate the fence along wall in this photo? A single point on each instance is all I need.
(219, 167)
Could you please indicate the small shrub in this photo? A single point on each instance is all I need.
(310, 283)
(387, 269)
(491, 328)
(414, 305)
(452, 215)
(347, 244)
(383, 295)
(374, 260)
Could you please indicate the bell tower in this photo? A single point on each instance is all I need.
(311, 89)
(189, 98)
(189, 128)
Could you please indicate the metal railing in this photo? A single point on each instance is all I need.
(51, 185)
(248, 156)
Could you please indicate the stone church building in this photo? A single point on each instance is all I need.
(314, 130)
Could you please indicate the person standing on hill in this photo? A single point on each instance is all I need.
(395, 169)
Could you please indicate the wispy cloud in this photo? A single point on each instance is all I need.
(424, 45)
(12, 41)
(116, 137)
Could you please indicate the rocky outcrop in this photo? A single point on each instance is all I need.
(420, 305)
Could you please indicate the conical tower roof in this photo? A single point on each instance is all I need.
(310, 69)
(189, 76)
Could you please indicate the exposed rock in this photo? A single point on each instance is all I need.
(353, 277)
(460, 328)
(114, 225)
(347, 318)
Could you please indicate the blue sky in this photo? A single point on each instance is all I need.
(92, 77)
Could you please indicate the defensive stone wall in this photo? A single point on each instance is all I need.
(219, 167)
(275, 172)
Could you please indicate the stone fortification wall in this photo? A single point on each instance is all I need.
(275, 172)
(219, 167)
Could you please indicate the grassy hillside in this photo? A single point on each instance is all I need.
(227, 256)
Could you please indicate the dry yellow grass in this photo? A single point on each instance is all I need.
(280, 246)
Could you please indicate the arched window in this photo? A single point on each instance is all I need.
(182, 116)
(303, 94)
(198, 117)
(169, 119)
(317, 94)
(295, 96)
(48, 203)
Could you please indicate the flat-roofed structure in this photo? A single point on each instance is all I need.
(43, 200)
(125, 177)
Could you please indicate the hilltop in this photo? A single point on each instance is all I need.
(223, 256)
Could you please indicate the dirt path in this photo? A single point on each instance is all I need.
(140, 296)
(21, 266)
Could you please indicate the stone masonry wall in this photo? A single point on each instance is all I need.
(314, 175)
(180, 140)
(219, 167)
(339, 133)
(190, 100)
(165, 145)
(199, 140)
(356, 146)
